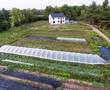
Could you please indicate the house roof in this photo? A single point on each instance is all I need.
(57, 14)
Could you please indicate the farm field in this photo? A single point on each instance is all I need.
(98, 75)
(17, 36)
(54, 45)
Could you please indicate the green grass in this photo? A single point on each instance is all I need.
(15, 36)
(97, 74)
(106, 32)
(55, 45)
(42, 28)
(69, 30)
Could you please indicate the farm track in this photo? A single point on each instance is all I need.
(99, 33)
(76, 85)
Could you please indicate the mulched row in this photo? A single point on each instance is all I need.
(54, 83)
(6, 84)
(40, 38)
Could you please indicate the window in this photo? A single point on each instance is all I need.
(53, 21)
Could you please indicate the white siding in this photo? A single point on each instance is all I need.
(57, 20)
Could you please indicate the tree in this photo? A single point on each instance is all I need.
(4, 20)
(105, 15)
(48, 10)
(94, 14)
(16, 17)
(105, 3)
(5, 14)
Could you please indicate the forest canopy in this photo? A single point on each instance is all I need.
(94, 14)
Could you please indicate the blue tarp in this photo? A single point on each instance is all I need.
(105, 53)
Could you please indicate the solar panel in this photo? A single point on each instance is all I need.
(53, 55)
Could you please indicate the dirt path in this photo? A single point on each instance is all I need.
(100, 33)
(76, 85)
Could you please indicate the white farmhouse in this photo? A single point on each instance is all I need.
(58, 18)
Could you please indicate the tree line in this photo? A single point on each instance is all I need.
(94, 14)
(17, 17)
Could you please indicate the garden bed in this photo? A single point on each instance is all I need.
(97, 74)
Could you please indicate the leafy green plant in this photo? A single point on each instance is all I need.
(91, 73)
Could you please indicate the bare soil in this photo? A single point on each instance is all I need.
(76, 85)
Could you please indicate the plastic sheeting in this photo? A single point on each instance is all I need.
(17, 62)
(80, 40)
(105, 53)
(53, 55)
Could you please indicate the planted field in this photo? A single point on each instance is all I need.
(54, 45)
(17, 36)
(69, 30)
(97, 74)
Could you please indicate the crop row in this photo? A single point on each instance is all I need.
(91, 73)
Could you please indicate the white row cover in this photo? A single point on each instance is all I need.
(72, 39)
(53, 55)
(17, 62)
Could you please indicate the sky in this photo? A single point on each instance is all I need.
(41, 4)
